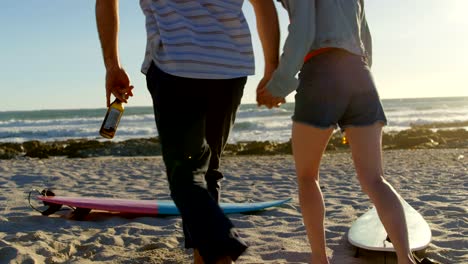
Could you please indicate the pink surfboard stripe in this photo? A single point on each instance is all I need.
(106, 204)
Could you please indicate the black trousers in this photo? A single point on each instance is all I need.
(193, 119)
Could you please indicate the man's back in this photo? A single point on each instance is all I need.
(207, 39)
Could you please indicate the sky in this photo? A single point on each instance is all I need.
(50, 55)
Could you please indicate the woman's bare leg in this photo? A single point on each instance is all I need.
(308, 145)
(366, 148)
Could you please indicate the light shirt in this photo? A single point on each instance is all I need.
(317, 24)
(202, 39)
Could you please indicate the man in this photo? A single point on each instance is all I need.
(198, 55)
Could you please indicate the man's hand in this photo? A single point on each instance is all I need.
(118, 84)
(107, 20)
(264, 97)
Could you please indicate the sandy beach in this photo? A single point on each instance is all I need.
(433, 181)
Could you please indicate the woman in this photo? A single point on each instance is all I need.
(329, 42)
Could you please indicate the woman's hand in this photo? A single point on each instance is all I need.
(264, 97)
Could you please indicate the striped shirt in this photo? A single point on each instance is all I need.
(202, 39)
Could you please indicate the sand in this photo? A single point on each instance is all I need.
(434, 182)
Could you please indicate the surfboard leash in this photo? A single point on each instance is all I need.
(52, 208)
(77, 213)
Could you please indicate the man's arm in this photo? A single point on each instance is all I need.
(268, 31)
(107, 19)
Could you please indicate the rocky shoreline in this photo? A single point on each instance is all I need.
(415, 138)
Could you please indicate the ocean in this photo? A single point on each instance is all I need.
(252, 123)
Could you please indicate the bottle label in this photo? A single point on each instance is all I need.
(112, 119)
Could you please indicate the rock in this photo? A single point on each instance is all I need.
(10, 150)
(83, 148)
(36, 149)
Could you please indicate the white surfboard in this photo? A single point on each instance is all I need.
(367, 231)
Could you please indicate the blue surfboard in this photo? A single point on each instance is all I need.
(169, 208)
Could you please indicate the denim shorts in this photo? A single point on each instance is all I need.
(336, 89)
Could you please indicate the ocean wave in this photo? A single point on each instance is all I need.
(259, 113)
(46, 134)
(252, 122)
(71, 121)
(261, 125)
(409, 121)
(453, 124)
(450, 113)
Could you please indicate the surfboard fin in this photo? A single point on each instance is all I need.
(356, 255)
(388, 239)
(80, 213)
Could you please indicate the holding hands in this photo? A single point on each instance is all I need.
(264, 97)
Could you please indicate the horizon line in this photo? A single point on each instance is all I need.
(245, 103)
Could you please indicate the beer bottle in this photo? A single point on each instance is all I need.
(112, 119)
